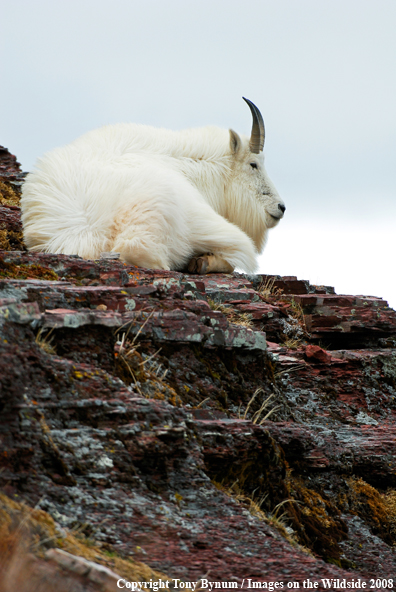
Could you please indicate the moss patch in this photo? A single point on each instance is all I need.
(10, 240)
(377, 511)
(23, 272)
(318, 522)
(389, 500)
(8, 195)
(301, 515)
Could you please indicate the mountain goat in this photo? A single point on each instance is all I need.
(197, 199)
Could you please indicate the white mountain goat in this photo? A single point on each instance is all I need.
(197, 199)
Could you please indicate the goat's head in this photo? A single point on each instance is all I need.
(250, 174)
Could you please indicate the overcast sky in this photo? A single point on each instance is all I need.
(323, 73)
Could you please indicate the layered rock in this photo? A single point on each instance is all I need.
(11, 179)
(242, 426)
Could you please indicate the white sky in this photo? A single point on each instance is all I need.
(323, 73)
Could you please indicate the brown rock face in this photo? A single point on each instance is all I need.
(9, 166)
(11, 179)
(147, 411)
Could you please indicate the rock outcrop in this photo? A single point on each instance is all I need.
(223, 427)
(11, 179)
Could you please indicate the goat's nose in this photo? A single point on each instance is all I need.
(282, 208)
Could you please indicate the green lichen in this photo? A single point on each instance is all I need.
(389, 369)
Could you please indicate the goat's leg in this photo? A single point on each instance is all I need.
(209, 263)
(217, 245)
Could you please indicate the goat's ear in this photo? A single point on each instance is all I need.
(235, 142)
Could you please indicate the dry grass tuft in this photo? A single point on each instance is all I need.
(44, 341)
(257, 415)
(291, 343)
(296, 311)
(295, 329)
(144, 372)
(254, 506)
(268, 291)
(243, 319)
(25, 530)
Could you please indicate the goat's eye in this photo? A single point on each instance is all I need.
(253, 165)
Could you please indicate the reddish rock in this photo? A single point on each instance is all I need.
(10, 218)
(315, 354)
(164, 458)
(348, 321)
(291, 285)
(10, 168)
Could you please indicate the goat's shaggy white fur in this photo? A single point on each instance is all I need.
(157, 197)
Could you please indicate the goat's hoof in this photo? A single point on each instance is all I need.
(199, 265)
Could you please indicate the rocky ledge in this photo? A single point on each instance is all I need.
(224, 428)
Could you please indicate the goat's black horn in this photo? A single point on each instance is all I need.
(257, 136)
